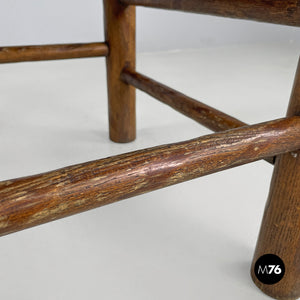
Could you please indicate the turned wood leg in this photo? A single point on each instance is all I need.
(120, 37)
(280, 228)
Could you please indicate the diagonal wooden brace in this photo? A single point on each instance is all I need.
(205, 115)
(38, 199)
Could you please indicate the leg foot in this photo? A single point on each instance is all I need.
(280, 228)
(120, 36)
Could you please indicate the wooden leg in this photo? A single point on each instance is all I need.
(120, 37)
(280, 229)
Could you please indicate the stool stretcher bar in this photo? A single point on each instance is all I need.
(30, 201)
(207, 116)
(271, 11)
(52, 52)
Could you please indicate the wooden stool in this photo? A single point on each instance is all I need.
(30, 201)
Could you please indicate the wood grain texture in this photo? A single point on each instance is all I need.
(286, 12)
(280, 228)
(205, 115)
(51, 52)
(209, 117)
(30, 201)
(120, 36)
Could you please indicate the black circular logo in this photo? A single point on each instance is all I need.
(269, 269)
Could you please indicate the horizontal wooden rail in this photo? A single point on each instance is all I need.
(30, 201)
(51, 52)
(207, 116)
(271, 11)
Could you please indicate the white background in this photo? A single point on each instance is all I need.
(65, 21)
(190, 241)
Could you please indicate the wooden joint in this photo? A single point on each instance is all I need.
(279, 232)
(120, 35)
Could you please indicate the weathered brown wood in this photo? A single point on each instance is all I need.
(51, 52)
(120, 36)
(272, 11)
(34, 200)
(207, 116)
(280, 228)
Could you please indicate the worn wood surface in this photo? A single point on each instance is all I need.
(120, 36)
(285, 12)
(34, 200)
(207, 116)
(51, 52)
(280, 228)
